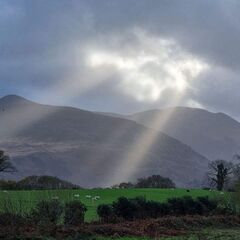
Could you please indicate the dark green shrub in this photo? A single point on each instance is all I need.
(157, 209)
(188, 206)
(105, 212)
(125, 208)
(141, 207)
(74, 213)
(177, 206)
(192, 206)
(207, 204)
(47, 212)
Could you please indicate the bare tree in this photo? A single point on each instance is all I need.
(5, 164)
(220, 172)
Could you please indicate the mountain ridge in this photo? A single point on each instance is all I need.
(214, 135)
(90, 149)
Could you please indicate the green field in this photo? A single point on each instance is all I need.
(23, 201)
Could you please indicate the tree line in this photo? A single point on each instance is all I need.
(37, 183)
(154, 181)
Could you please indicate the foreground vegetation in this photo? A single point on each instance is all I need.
(207, 234)
(171, 228)
(211, 234)
(63, 217)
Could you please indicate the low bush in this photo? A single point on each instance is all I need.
(157, 209)
(105, 212)
(74, 213)
(47, 212)
(125, 208)
(208, 205)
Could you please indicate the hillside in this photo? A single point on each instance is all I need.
(90, 149)
(214, 135)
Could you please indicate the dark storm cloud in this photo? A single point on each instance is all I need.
(45, 45)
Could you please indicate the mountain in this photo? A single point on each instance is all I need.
(90, 149)
(214, 135)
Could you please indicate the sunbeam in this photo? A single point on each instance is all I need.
(140, 148)
(145, 76)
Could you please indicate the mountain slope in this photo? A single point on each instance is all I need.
(89, 149)
(215, 135)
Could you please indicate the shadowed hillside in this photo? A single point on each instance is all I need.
(89, 149)
(215, 135)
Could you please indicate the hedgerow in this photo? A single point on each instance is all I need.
(140, 208)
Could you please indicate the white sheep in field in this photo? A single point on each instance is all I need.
(95, 198)
(76, 195)
(88, 196)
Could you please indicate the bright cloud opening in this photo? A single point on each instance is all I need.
(155, 65)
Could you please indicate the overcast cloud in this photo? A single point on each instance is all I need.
(122, 55)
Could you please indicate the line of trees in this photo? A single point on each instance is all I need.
(37, 183)
(154, 181)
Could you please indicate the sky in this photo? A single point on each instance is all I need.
(122, 56)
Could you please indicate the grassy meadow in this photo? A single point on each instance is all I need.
(23, 201)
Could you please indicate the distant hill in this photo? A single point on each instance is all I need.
(214, 135)
(90, 149)
(37, 183)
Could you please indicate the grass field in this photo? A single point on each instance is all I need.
(23, 201)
